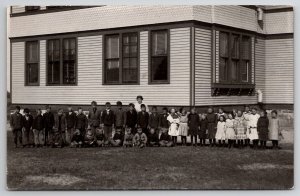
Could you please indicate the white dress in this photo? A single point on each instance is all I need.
(137, 107)
(230, 133)
(252, 123)
(173, 129)
(221, 127)
(246, 116)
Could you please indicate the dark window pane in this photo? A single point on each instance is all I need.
(246, 50)
(159, 43)
(32, 52)
(31, 8)
(32, 62)
(223, 69)
(53, 50)
(32, 73)
(69, 59)
(130, 70)
(159, 68)
(233, 70)
(235, 46)
(244, 71)
(54, 72)
(112, 47)
(224, 44)
(112, 71)
(129, 67)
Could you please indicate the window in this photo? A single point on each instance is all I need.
(159, 65)
(32, 63)
(61, 57)
(121, 59)
(235, 53)
(32, 8)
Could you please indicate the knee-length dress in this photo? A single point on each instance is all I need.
(221, 128)
(212, 120)
(274, 129)
(241, 128)
(252, 124)
(246, 116)
(203, 128)
(193, 123)
(183, 125)
(263, 128)
(230, 133)
(174, 122)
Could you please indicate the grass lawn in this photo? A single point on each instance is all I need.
(148, 168)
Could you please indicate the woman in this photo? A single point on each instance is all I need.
(138, 104)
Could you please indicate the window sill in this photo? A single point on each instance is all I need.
(158, 82)
(31, 85)
(230, 89)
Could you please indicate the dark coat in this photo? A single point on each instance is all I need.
(153, 138)
(143, 119)
(16, 121)
(38, 123)
(62, 123)
(154, 120)
(49, 120)
(118, 136)
(130, 118)
(81, 122)
(193, 123)
(163, 122)
(165, 137)
(263, 128)
(70, 119)
(94, 117)
(212, 120)
(108, 119)
(203, 127)
(27, 124)
(120, 118)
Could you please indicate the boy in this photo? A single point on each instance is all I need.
(154, 119)
(100, 137)
(143, 119)
(107, 120)
(76, 140)
(38, 129)
(70, 124)
(163, 121)
(89, 138)
(81, 122)
(16, 124)
(130, 118)
(128, 138)
(49, 124)
(59, 132)
(165, 139)
(153, 138)
(94, 117)
(120, 117)
(27, 133)
(118, 138)
(140, 138)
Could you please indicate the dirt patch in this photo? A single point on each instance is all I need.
(258, 166)
(54, 179)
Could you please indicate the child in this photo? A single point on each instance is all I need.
(221, 128)
(94, 117)
(49, 124)
(230, 133)
(203, 129)
(240, 128)
(99, 138)
(117, 139)
(70, 124)
(262, 129)
(173, 119)
(140, 138)
(58, 138)
(107, 121)
(154, 120)
(143, 119)
(27, 133)
(128, 138)
(81, 122)
(212, 120)
(183, 126)
(246, 115)
(130, 118)
(90, 138)
(77, 139)
(193, 123)
(163, 119)
(120, 117)
(16, 124)
(274, 130)
(221, 113)
(153, 138)
(234, 113)
(165, 139)
(252, 123)
(38, 129)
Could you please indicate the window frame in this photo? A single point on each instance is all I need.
(240, 59)
(121, 57)
(25, 64)
(61, 82)
(150, 81)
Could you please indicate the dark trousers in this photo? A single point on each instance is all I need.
(202, 141)
(183, 140)
(17, 135)
(47, 132)
(107, 132)
(263, 143)
(194, 139)
(212, 142)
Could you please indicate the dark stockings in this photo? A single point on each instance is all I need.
(183, 140)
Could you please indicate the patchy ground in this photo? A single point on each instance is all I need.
(148, 168)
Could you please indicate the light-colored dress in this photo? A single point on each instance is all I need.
(137, 107)
(183, 126)
(252, 123)
(230, 133)
(274, 130)
(221, 128)
(246, 116)
(174, 122)
(240, 126)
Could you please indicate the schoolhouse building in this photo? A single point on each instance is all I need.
(172, 55)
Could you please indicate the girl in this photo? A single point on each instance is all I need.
(173, 119)
(221, 113)
(252, 123)
(212, 120)
(262, 129)
(183, 127)
(240, 128)
(274, 129)
(203, 129)
(221, 127)
(193, 123)
(230, 133)
(246, 115)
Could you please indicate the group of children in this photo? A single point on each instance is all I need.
(131, 128)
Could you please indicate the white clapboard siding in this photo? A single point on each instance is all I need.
(279, 71)
(279, 22)
(203, 75)
(253, 59)
(217, 57)
(260, 70)
(90, 76)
